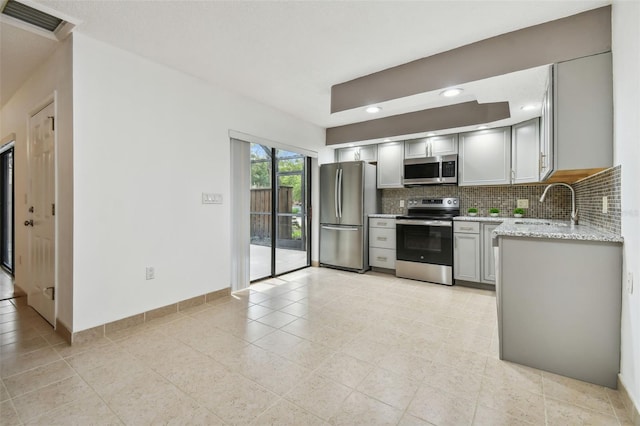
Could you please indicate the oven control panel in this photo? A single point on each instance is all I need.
(433, 203)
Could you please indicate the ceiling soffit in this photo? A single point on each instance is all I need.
(463, 114)
(584, 34)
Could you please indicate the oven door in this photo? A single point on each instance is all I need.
(425, 241)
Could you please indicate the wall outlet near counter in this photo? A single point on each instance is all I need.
(630, 282)
(523, 204)
(605, 205)
(401, 203)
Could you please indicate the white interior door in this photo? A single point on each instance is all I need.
(41, 211)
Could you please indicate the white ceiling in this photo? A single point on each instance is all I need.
(288, 54)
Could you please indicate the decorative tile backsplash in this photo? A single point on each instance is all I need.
(589, 193)
(557, 204)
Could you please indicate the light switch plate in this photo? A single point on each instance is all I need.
(150, 272)
(210, 198)
(401, 203)
(605, 205)
(523, 204)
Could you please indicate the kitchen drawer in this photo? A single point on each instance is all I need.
(466, 227)
(382, 238)
(382, 258)
(382, 222)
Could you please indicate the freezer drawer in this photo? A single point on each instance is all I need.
(343, 246)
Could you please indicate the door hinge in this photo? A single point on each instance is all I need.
(53, 122)
(53, 209)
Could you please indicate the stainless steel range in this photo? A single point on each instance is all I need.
(424, 240)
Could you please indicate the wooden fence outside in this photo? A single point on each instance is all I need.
(261, 203)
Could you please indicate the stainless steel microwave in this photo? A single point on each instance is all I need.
(431, 170)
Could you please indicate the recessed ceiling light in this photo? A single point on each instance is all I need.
(483, 127)
(450, 93)
(529, 107)
(373, 109)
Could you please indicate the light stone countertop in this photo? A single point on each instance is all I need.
(535, 228)
(544, 228)
(555, 229)
(497, 219)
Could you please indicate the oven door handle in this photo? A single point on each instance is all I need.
(444, 223)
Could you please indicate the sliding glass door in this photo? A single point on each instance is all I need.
(6, 210)
(279, 228)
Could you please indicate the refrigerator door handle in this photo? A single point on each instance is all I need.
(340, 196)
(340, 228)
(335, 193)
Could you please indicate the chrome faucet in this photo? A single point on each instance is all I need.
(574, 211)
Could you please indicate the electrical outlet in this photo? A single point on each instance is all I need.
(630, 282)
(150, 272)
(605, 205)
(523, 204)
(401, 203)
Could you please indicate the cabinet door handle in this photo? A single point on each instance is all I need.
(382, 223)
(382, 258)
(466, 228)
(542, 157)
(382, 238)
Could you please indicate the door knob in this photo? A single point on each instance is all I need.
(28, 222)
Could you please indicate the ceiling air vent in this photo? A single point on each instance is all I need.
(31, 16)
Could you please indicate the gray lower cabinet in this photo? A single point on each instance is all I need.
(473, 258)
(466, 251)
(382, 242)
(559, 306)
(488, 258)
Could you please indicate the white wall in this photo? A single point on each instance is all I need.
(147, 142)
(626, 86)
(52, 77)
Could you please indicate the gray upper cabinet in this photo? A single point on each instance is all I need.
(390, 164)
(485, 157)
(525, 144)
(583, 113)
(367, 153)
(443, 145)
(546, 132)
(415, 148)
(431, 147)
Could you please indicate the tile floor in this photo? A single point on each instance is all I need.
(315, 347)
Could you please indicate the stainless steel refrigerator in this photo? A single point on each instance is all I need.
(348, 195)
